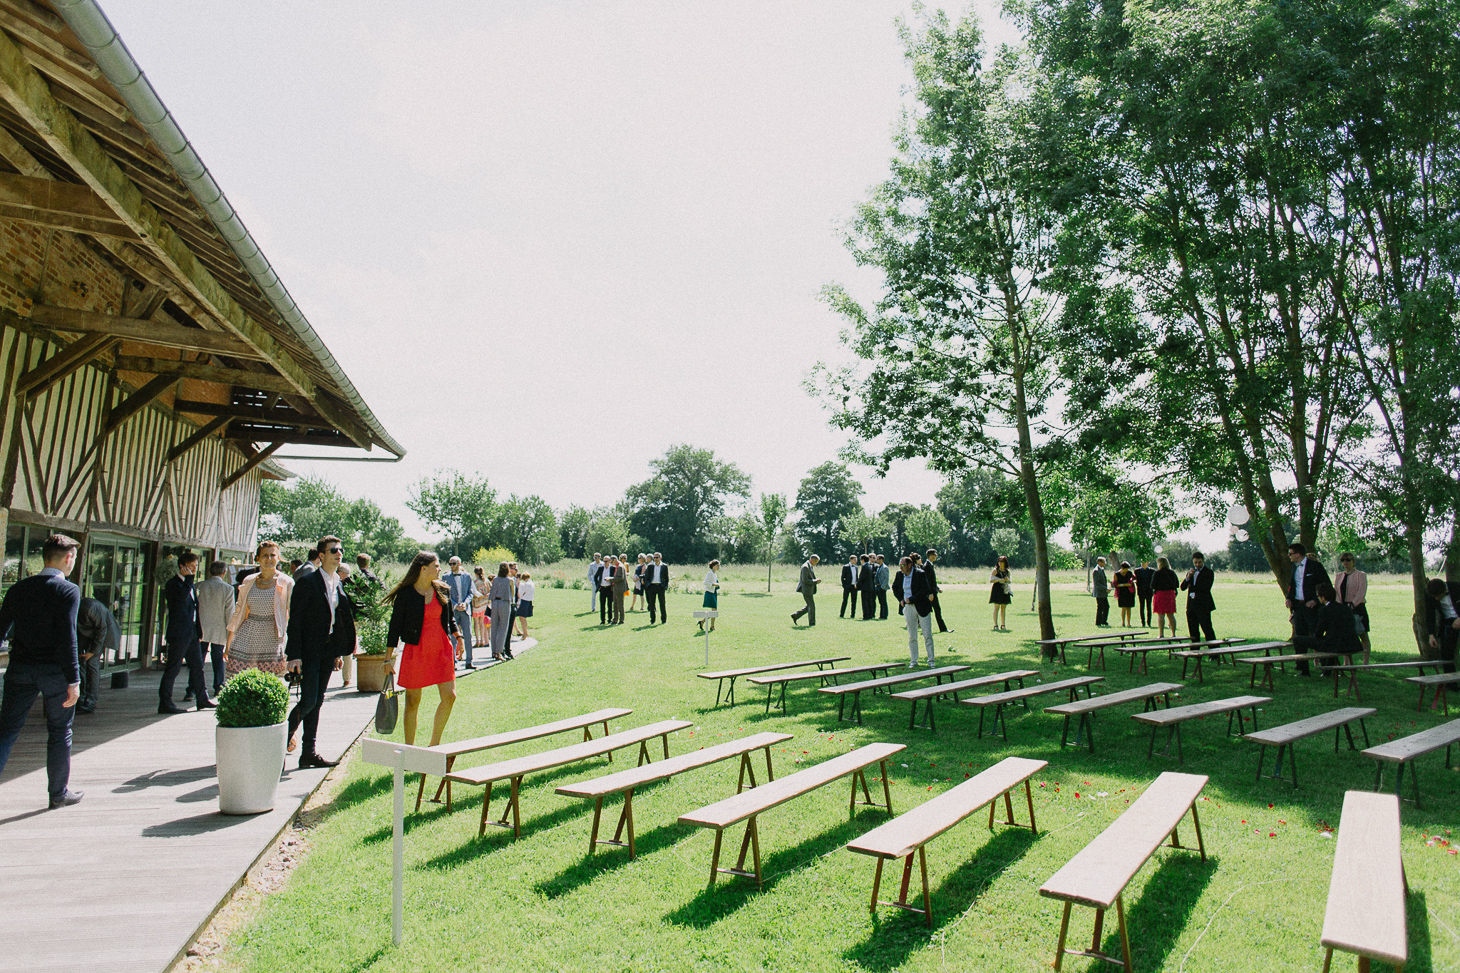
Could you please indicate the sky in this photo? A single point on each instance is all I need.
(549, 240)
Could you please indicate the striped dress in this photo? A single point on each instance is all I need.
(256, 644)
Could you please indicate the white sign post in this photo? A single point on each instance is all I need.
(420, 760)
(704, 616)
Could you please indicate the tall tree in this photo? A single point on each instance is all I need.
(463, 507)
(573, 526)
(860, 528)
(773, 513)
(689, 488)
(826, 499)
(528, 526)
(928, 528)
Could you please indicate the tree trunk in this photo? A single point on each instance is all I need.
(1414, 535)
(1452, 553)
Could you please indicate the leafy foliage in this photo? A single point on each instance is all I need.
(253, 698)
(674, 509)
(826, 500)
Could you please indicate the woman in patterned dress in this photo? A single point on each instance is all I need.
(261, 619)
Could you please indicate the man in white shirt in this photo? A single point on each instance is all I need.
(215, 608)
(595, 570)
(460, 584)
(656, 582)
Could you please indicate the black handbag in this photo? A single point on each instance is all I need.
(387, 707)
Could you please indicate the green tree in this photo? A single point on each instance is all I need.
(826, 499)
(306, 509)
(529, 526)
(608, 532)
(573, 531)
(463, 507)
(928, 528)
(773, 512)
(673, 509)
(859, 529)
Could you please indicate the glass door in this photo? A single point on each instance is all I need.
(114, 576)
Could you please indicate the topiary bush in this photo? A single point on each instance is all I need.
(253, 698)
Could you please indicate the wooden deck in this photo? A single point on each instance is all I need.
(125, 881)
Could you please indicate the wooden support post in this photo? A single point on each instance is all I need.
(136, 402)
(197, 437)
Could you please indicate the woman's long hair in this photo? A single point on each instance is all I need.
(1002, 566)
(413, 574)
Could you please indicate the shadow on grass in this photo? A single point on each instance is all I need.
(755, 594)
(497, 838)
(611, 858)
(368, 961)
(730, 892)
(1155, 922)
(360, 790)
(1418, 912)
(897, 934)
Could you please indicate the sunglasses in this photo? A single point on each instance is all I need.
(335, 550)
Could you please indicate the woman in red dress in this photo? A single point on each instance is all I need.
(421, 617)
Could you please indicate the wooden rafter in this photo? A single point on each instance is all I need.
(249, 464)
(136, 402)
(135, 329)
(282, 417)
(197, 437)
(252, 434)
(62, 364)
(261, 381)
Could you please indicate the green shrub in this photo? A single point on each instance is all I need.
(253, 698)
(489, 559)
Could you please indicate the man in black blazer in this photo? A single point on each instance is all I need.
(918, 593)
(1199, 604)
(605, 590)
(184, 638)
(1303, 582)
(866, 576)
(849, 587)
(1144, 575)
(39, 616)
(321, 631)
(928, 562)
(656, 582)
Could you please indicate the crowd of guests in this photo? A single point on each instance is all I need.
(610, 579)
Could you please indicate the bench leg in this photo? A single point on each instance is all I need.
(597, 815)
(486, 803)
(750, 842)
(1099, 928)
(1124, 937)
(877, 883)
(769, 692)
(1327, 959)
(450, 761)
(1001, 723)
(1087, 730)
(625, 820)
(664, 742)
(1059, 950)
(644, 757)
(420, 792)
(857, 707)
(1261, 755)
(715, 858)
(516, 808)
(745, 767)
(769, 774)
(981, 711)
(1029, 799)
(886, 790)
(1065, 734)
(730, 695)
(860, 777)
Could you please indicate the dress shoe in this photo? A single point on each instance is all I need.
(167, 709)
(207, 704)
(794, 619)
(66, 799)
(508, 656)
(315, 760)
(187, 697)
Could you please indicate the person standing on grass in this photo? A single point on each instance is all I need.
(620, 589)
(1144, 574)
(712, 593)
(501, 609)
(849, 586)
(1100, 589)
(595, 572)
(881, 578)
(917, 608)
(1125, 592)
(525, 591)
(423, 617)
(866, 576)
(321, 632)
(1303, 582)
(638, 582)
(458, 583)
(937, 590)
(605, 590)
(1442, 621)
(1199, 603)
(1164, 585)
(1001, 593)
(39, 616)
(656, 582)
(184, 638)
(481, 603)
(216, 601)
(1353, 590)
(807, 586)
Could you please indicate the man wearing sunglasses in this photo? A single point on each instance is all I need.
(321, 632)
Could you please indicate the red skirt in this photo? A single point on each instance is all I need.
(1164, 603)
(433, 661)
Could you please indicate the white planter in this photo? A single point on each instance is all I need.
(250, 760)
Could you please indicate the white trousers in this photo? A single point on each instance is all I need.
(914, 622)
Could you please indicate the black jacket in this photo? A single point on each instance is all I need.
(1314, 574)
(309, 635)
(1165, 580)
(1336, 631)
(932, 577)
(1435, 619)
(182, 610)
(407, 613)
(39, 616)
(649, 581)
(866, 576)
(918, 590)
(1201, 583)
(1144, 577)
(849, 577)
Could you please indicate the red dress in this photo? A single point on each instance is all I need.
(433, 661)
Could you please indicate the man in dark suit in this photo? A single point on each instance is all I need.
(1335, 630)
(1302, 600)
(866, 575)
(1199, 604)
(656, 582)
(97, 633)
(807, 586)
(606, 613)
(1144, 574)
(321, 631)
(918, 611)
(849, 587)
(39, 616)
(184, 638)
(1442, 621)
(928, 562)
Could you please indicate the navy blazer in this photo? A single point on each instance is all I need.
(183, 624)
(1314, 574)
(309, 636)
(39, 616)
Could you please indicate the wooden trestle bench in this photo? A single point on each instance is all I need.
(1406, 749)
(730, 675)
(1366, 911)
(1283, 737)
(928, 694)
(1049, 648)
(1172, 719)
(1436, 681)
(749, 805)
(854, 689)
(1223, 652)
(1083, 708)
(911, 831)
(999, 700)
(1144, 647)
(1354, 670)
(1267, 663)
(453, 750)
(625, 782)
(827, 677)
(519, 767)
(1099, 872)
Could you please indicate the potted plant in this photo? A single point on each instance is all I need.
(372, 615)
(250, 741)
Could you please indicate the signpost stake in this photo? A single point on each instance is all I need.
(397, 919)
(401, 757)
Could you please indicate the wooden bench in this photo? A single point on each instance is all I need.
(1406, 749)
(1225, 652)
(1438, 681)
(930, 693)
(999, 700)
(771, 682)
(625, 782)
(750, 805)
(854, 689)
(733, 674)
(519, 767)
(1083, 708)
(453, 750)
(911, 831)
(1268, 661)
(1366, 909)
(1354, 670)
(1172, 719)
(1283, 737)
(1144, 647)
(1099, 872)
(1049, 648)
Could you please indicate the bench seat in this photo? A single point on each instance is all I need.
(1366, 910)
(1223, 652)
(1083, 708)
(731, 675)
(1144, 647)
(854, 689)
(625, 782)
(1437, 681)
(1406, 749)
(749, 805)
(1353, 671)
(1049, 648)
(1098, 874)
(1267, 663)
(999, 700)
(770, 682)
(911, 831)
(519, 767)
(1172, 719)
(1283, 737)
(928, 694)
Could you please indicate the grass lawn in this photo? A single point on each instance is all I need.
(538, 903)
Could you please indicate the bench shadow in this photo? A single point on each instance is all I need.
(731, 892)
(897, 934)
(497, 838)
(1156, 920)
(610, 858)
(1418, 913)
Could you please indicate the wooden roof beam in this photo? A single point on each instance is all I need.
(136, 329)
(62, 364)
(278, 416)
(197, 437)
(250, 463)
(260, 381)
(136, 402)
(249, 434)
(60, 204)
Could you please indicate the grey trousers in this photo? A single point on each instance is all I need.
(915, 622)
(501, 611)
